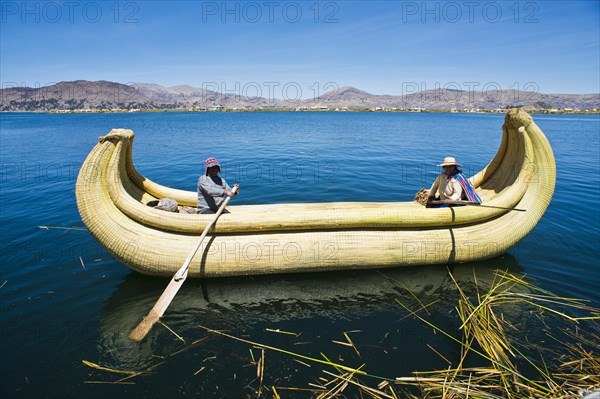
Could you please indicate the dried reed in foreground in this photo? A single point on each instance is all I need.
(568, 372)
(484, 334)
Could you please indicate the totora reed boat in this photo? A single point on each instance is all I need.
(288, 238)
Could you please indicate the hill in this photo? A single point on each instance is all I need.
(104, 95)
(79, 94)
(459, 99)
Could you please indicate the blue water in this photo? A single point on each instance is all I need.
(64, 299)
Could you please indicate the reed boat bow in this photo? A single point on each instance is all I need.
(284, 238)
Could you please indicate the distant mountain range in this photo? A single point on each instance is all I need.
(86, 95)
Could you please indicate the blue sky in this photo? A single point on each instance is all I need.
(289, 49)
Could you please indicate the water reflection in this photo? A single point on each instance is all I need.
(251, 304)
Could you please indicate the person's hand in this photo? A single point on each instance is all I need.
(232, 193)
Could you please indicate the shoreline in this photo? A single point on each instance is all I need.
(377, 109)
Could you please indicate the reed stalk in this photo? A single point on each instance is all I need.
(486, 334)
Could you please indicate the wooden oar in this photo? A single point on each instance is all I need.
(177, 281)
(475, 204)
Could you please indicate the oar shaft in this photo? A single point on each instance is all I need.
(450, 202)
(176, 282)
(187, 262)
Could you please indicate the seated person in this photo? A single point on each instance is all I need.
(452, 186)
(212, 189)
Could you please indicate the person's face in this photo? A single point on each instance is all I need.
(449, 169)
(213, 171)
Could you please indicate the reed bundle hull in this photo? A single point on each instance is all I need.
(289, 238)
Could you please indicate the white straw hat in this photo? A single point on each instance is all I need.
(448, 161)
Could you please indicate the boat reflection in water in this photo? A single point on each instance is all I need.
(315, 304)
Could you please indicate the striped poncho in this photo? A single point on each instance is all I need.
(468, 188)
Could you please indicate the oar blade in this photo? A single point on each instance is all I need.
(142, 329)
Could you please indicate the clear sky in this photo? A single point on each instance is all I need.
(268, 47)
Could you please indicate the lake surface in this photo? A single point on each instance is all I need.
(64, 299)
